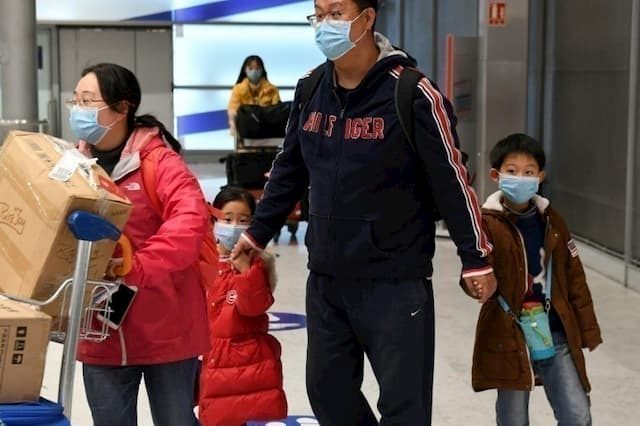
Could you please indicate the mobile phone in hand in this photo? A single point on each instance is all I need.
(118, 305)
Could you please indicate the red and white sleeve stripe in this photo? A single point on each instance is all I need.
(454, 158)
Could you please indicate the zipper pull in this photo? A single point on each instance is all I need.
(342, 113)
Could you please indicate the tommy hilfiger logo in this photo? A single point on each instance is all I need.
(11, 217)
(365, 128)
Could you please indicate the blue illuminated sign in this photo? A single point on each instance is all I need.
(289, 421)
(282, 321)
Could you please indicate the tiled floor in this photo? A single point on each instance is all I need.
(614, 368)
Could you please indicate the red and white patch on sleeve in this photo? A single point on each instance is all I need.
(573, 249)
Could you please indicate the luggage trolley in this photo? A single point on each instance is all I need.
(87, 228)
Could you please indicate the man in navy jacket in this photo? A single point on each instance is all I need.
(371, 233)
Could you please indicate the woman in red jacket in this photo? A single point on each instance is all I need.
(165, 329)
(241, 378)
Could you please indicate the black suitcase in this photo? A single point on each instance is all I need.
(247, 169)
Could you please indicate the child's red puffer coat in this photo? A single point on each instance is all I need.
(241, 378)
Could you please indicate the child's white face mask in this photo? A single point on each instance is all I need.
(518, 189)
(228, 234)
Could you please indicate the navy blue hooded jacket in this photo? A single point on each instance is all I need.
(370, 215)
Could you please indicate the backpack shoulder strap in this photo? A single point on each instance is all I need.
(148, 167)
(309, 86)
(404, 95)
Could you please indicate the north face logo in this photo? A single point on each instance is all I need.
(133, 186)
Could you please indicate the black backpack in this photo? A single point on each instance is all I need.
(404, 94)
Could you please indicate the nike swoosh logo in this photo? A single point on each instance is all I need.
(413, 314)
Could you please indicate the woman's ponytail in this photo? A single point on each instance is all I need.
(148, 120)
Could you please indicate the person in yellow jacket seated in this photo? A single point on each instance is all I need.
(252, 88)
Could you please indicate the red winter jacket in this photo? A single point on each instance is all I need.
(167, 321)
(241, 377)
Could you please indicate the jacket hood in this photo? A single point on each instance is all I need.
(388, 50)
(494, 202)
(137, 146)
(389, 58)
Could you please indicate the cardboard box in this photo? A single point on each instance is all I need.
(24, 335)
(37, 249)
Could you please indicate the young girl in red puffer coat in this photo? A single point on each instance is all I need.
(241, 377)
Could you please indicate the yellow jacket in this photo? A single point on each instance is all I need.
(242, 94)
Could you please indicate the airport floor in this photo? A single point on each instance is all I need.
(613, 368)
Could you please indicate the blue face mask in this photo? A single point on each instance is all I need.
(228, 234)
(84, 124)
(332, 37)
(254, 75)
(518, 189)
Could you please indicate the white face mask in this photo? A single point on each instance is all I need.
(228, 234)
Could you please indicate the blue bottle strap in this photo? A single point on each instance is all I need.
(505, 307)
(503, 303)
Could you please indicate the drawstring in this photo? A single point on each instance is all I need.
(534, 326)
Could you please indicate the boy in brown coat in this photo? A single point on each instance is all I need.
(527, 234)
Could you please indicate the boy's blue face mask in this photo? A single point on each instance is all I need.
(228, 234)
(518, 189)
(332, 37)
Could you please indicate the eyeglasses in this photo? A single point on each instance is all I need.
(82, 102)
(315, 20)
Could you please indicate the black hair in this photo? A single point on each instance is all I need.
(120, 88)
(363, 4)
(246, 62)
(517, 143)
(234, 193)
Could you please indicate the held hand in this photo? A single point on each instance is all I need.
(242, 247)
(242, 263)
(482, 287)
(114, 263)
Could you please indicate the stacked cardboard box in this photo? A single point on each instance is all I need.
(24, 334)
(40, 185)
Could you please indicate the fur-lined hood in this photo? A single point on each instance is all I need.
(494, 202)
(269, 260)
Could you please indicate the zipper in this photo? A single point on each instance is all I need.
(123, 347)
(526, 262)
(339, 141)
(533, 377)
(526, 281)
(550, 259)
